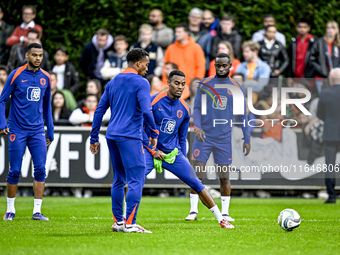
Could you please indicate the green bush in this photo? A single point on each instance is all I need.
(73, 22)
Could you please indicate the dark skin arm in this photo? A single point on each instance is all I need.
(158, 155)
(246, 149)
(200, 135)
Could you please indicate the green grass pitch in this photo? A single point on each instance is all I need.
(83, 226)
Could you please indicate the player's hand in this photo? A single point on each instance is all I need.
(246, 149)
(159, 155)
(48, 142)
(200, 135)
(4, 131)
(153, 141)
(94, 147)
(307, 130)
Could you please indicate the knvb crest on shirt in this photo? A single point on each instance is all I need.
(218, 105)
(33, 94)
(168, 125)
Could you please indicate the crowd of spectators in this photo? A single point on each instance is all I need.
(260, 62)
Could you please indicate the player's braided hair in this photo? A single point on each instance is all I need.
(136, 55)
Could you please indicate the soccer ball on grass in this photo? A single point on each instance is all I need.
(289, 219)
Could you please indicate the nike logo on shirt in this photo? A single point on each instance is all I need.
(24, 80)
(159, 109)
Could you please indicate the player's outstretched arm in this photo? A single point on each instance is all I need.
(98, 115)
(143, 96)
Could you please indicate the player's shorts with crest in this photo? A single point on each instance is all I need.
(221, 151)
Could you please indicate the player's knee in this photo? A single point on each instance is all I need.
(13, 177)
(39, 174)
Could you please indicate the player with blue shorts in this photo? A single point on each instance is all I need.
(212, 122)
(30, 89)
(172, 117)
(128, 96)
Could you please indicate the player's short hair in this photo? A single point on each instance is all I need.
(267, 27)
(102, 31)
(120, 38)
(253, 46)
(145, 27)
(184, 26)
(303, 20)
(62, 49)
(34, 31)
(238, 74)
(223, 55)
(267, 16)
(136, 55)
(32, 7)
(174, 66)
(33, 45)
(196, 10)
(176, 72)
(3, 67)
(228, 17)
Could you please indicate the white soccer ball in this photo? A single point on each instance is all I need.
(289, 219)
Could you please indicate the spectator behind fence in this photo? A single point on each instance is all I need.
(68, 77)
(116, 62)
(17, 56)
(161, 35)
(155, 84)
(228, 33)
(210, 22)
(328, 111)
(60, 111)
(156, 55)
(94, 54)
(239, 77)
(187, 55)
(84, 116)
(256, 72)
(299, 51)
(92, 87)
(3, 79)
(5, 31)
(325, 53)
(294, 112)
(273, 52)
(227, 48)
(70, 101)
(259, 35)
(20, 32)
(199, 34)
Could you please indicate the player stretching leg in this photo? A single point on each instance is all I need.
(216, 139)
(128, 96)
(30, 89)
(172, 116)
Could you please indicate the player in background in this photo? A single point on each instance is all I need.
(172, 117)
(30, 89)
(216, 139)
(128, 96)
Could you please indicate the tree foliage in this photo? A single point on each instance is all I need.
(73, 22)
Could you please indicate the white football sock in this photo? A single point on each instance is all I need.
(124, 210)
(37, 206)
(194, 203)
(225, 201)
(10, 205)
(216, 213)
